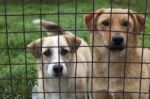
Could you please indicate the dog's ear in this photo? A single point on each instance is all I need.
(49, 26)
(73, 42)
(35, 48)
(139, 21)
(91, 19)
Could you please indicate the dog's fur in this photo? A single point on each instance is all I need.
(67, 51)
(122, 65)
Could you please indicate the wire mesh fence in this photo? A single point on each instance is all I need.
(43, 60)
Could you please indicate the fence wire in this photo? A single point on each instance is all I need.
(11, 85)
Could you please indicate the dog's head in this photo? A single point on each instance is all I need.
(55, 52)
(115, 28)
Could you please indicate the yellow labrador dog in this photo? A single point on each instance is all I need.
(62, 64)
(114, 33)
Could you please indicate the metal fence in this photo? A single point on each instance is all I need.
(18, 67)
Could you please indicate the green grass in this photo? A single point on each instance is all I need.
(21, 83)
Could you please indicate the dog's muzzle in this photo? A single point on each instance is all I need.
(117, 43)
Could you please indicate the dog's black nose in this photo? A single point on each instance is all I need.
(117, 40)
(58, 69)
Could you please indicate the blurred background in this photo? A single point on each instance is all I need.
(18, 72)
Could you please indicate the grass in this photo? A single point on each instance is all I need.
(16, 72)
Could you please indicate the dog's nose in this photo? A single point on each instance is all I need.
(58, 69)
(117, 40)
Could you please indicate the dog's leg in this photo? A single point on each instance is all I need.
(34, 92)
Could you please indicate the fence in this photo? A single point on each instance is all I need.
(18, 68)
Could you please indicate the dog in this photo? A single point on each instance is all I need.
(120, 67)
(62, 64)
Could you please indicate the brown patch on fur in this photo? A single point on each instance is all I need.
(90, 19)
(73, 42)
(139, 22)
(50, 26)
(35, 48)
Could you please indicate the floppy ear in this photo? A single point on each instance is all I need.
(91, 19)
(49, 26)
(139, 22)
(35, 48)
(73, 42)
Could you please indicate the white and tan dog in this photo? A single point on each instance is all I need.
(120, 67)
(62, 64)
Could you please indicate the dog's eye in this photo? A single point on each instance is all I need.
(125, 23)
(106, 23)
(64, 51)
(47, 53)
